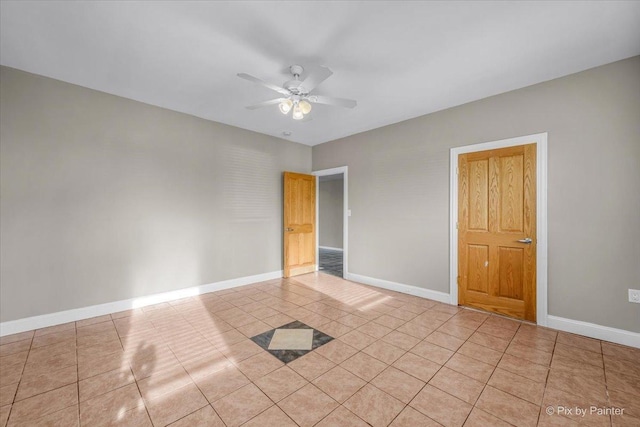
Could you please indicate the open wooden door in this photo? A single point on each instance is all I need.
(299, 224)
(497, 231)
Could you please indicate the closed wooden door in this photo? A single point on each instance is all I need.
(497, 231)
(299, 224)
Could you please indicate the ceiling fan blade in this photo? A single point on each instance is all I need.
(265, 103)
(327, 100)
(263, 83)
(315, 77)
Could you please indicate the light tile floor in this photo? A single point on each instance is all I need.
(398, 360)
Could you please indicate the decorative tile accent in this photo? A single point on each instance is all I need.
(291, 339)
(289, 342)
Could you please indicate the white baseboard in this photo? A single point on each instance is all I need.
(592, 330)
(618, 336)
(52, 319)
(331, 249)
(400, 287)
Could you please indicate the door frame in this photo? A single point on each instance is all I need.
(540, 139)
(344, 170)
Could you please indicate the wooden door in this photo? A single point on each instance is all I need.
(299, 224)
(496, 217)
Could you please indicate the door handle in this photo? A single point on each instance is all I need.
(527, 240)
(289, 229)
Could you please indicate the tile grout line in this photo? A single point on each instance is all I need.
(194, 381)
(409, 351)
(546, 378)
(388, 365)
(405, 352)
(455, 352)
(511, 341)
(78, 372)
(24, 366)
(439, 369)
(489, 379)
(124, 357)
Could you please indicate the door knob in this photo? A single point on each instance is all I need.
(289, 229)
(527, 240)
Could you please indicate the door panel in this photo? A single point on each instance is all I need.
(478, 272)
(496, 208)
(299, 224)
(511, 189)
(511, 272)
(479, 195)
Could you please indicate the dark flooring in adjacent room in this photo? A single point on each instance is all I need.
(331, 262)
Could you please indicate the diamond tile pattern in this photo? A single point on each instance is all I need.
(291, 341)
(396, 360)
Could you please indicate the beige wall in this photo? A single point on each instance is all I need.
(331, 196)
(105, 199)
(399, 189)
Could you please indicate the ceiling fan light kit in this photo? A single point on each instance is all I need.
(297, 113)
(305, 107)
(285, 106)
(297, 92)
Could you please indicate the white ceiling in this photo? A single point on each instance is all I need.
(397, 59)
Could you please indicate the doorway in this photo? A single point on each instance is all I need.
(332, 213)
(496, 231)
(299, 221)
(498, 227)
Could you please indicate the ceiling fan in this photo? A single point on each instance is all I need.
(296, 94)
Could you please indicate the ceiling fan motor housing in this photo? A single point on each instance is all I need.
(296, 70)
(295, 86)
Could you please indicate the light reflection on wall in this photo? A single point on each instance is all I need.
(250, 176)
